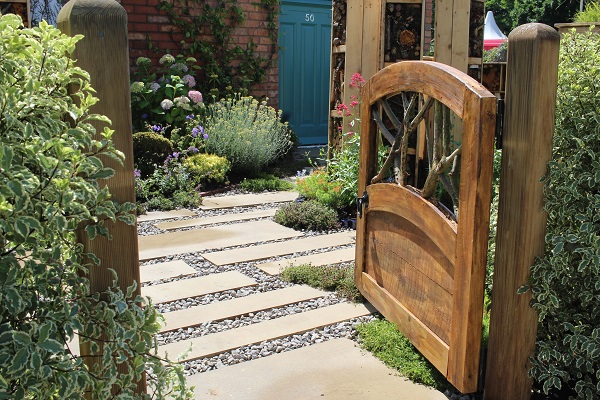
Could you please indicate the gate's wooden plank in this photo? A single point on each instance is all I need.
(420, 335)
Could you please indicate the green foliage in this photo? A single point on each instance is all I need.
(591, 13)
(343, 169)
(386, 342)
(491, 253)
(207, 168)
(566, 280)
(208, 30)
(265, 183)
(511, 13)
(497, 54)
(150, 149)
(318, 186)
(170, 186)
(326, 277)
(250, 134)
(51, 167)
(166, 94)
(310, 215)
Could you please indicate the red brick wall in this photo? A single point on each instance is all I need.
(145, 21)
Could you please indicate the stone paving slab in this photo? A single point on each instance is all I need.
(193, 287)
(329, 257)
(240, 306)
(170, 269)
(279, 249)
(220, 342)
(218, 219)
(152, 215)
(243, 200)
(332, 370)
(165, 244)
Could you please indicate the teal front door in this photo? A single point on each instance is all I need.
(305, 45)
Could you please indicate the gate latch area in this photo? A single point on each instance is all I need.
(362, 202)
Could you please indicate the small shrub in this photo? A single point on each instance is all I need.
(497, 54)
(386, 342)
(310, 215)
(318, 186)
(265, 183)
(326, 277)
(150, 149)
(250, 134)
(207, 168)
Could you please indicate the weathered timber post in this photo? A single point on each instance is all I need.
(104, 54)
(527, 148)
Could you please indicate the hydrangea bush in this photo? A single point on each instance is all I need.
(165, 94)
(51, 167)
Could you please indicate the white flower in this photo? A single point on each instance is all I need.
(155, 86)
(166, 59)
(166, 104)
(137, 87)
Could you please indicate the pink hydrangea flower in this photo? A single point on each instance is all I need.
(195, 96)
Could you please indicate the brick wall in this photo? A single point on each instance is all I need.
(145, 21)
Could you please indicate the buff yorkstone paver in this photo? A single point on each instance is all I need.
(263, 251)
(220, 342)
(243, 200)
(153, 215)
(240, 306)
(165, 244)
(199, 286)
(217, 219)
(164, 270)
(332, 370)
(326, 258)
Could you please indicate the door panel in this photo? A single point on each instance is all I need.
(304, 38)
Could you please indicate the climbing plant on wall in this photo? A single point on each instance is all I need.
(206, 30)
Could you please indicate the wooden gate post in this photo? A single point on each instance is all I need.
(527, 148)
(104, 54)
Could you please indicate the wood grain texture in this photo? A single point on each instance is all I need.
(527, 148)
(104, 54)
(420, 335)
(411, 261)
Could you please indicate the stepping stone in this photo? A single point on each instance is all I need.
(243, 200)
(193, 287)
(332, 370)
(233, 308)
(171, 269)
(218, 219)
(166, 244)
(152, 215)
(220, 342)
(329, 257)
(280, 249)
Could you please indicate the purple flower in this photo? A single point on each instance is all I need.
(137, 173)
(189, 80)
(156, 128)
(188, 117)
(192, 149)
(144, 115)
(197, 130)
(205, 135)
(176, 154)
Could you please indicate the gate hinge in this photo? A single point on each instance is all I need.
(362, 202)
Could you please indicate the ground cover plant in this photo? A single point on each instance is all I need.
(265, 183)
(386, 342)
(565, 282)
(338, 278)
(51, 187)
(307, 215)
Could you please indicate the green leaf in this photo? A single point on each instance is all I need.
(51, 345)
(20, 360)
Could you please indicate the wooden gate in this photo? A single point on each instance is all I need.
(421, 268)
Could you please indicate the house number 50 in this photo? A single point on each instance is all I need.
(309, 17)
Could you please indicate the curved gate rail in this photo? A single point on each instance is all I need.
(420, 269)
